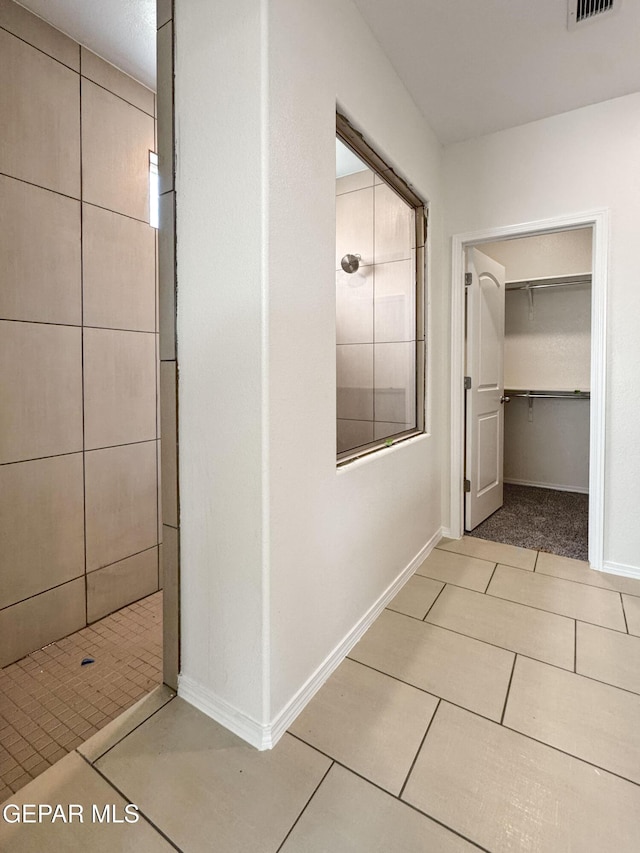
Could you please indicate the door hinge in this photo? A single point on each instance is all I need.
(468, 278)
(467, 383)
(467, 485)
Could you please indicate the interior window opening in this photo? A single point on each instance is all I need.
(380, 324)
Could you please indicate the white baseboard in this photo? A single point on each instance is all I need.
(621, 569)
(223, 712)
(581, 490)
(265, 736)
(291, 710)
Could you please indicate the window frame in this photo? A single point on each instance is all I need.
(356, 142)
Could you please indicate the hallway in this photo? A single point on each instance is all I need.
(493, 705)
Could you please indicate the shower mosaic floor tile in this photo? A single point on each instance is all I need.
(50, 703)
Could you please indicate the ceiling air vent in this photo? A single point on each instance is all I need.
(580, 11)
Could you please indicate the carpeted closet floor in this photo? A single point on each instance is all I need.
(542, 519)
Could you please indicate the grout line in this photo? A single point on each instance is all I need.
(495, 722)
(388, 793)
(443, 548)
(585, 583)
(478, 639)
(553, 612)
(115, 94)
(447, 582)
(419, 750)
(571, 755)
(424, 618)
(78, 577)
(506, 698)
(128, 604)
(74, 198)
(536, 561)
(127, 800)
(126, 444)
(575, 645)
(82, 343)
(117, 212)
(39, 186)
(77, 325)
(44, 52)
(484, 592)
(156, 320)
(295, 823)
(76, 452)
(624, 613)
(494, 646)
(421, 689)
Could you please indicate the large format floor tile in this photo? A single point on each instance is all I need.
(495, 552)
(369, 722)
(510, 794)
(608, 656)
(632, 613)
(578, 601)
(580, 716)
(530, 632)
(464, 671)
(348, 815)
(180, 764)
(457, 569)
(580, 572)
(72, 780)
(416, 596)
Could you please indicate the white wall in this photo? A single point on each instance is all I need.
(565, 165)
(552, 448)
(544, 255)
(282, 555)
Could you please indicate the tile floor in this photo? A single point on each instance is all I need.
(493, 706)
(50, 704)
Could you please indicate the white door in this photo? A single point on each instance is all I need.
(485, 367)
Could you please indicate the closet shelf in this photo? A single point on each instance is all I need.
(540, 283)
(547, 395)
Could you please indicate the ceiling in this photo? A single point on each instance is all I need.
(477, 66)
(120, 31)
(471, 66)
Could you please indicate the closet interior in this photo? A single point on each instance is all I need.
(547, 360)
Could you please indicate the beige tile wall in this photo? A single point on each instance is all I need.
(375, 312)
(79, 424)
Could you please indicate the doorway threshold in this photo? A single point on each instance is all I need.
(540, 519)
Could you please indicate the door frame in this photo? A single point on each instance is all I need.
(598, 220)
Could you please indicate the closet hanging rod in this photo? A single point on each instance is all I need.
(550, 395)
(539, 283)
